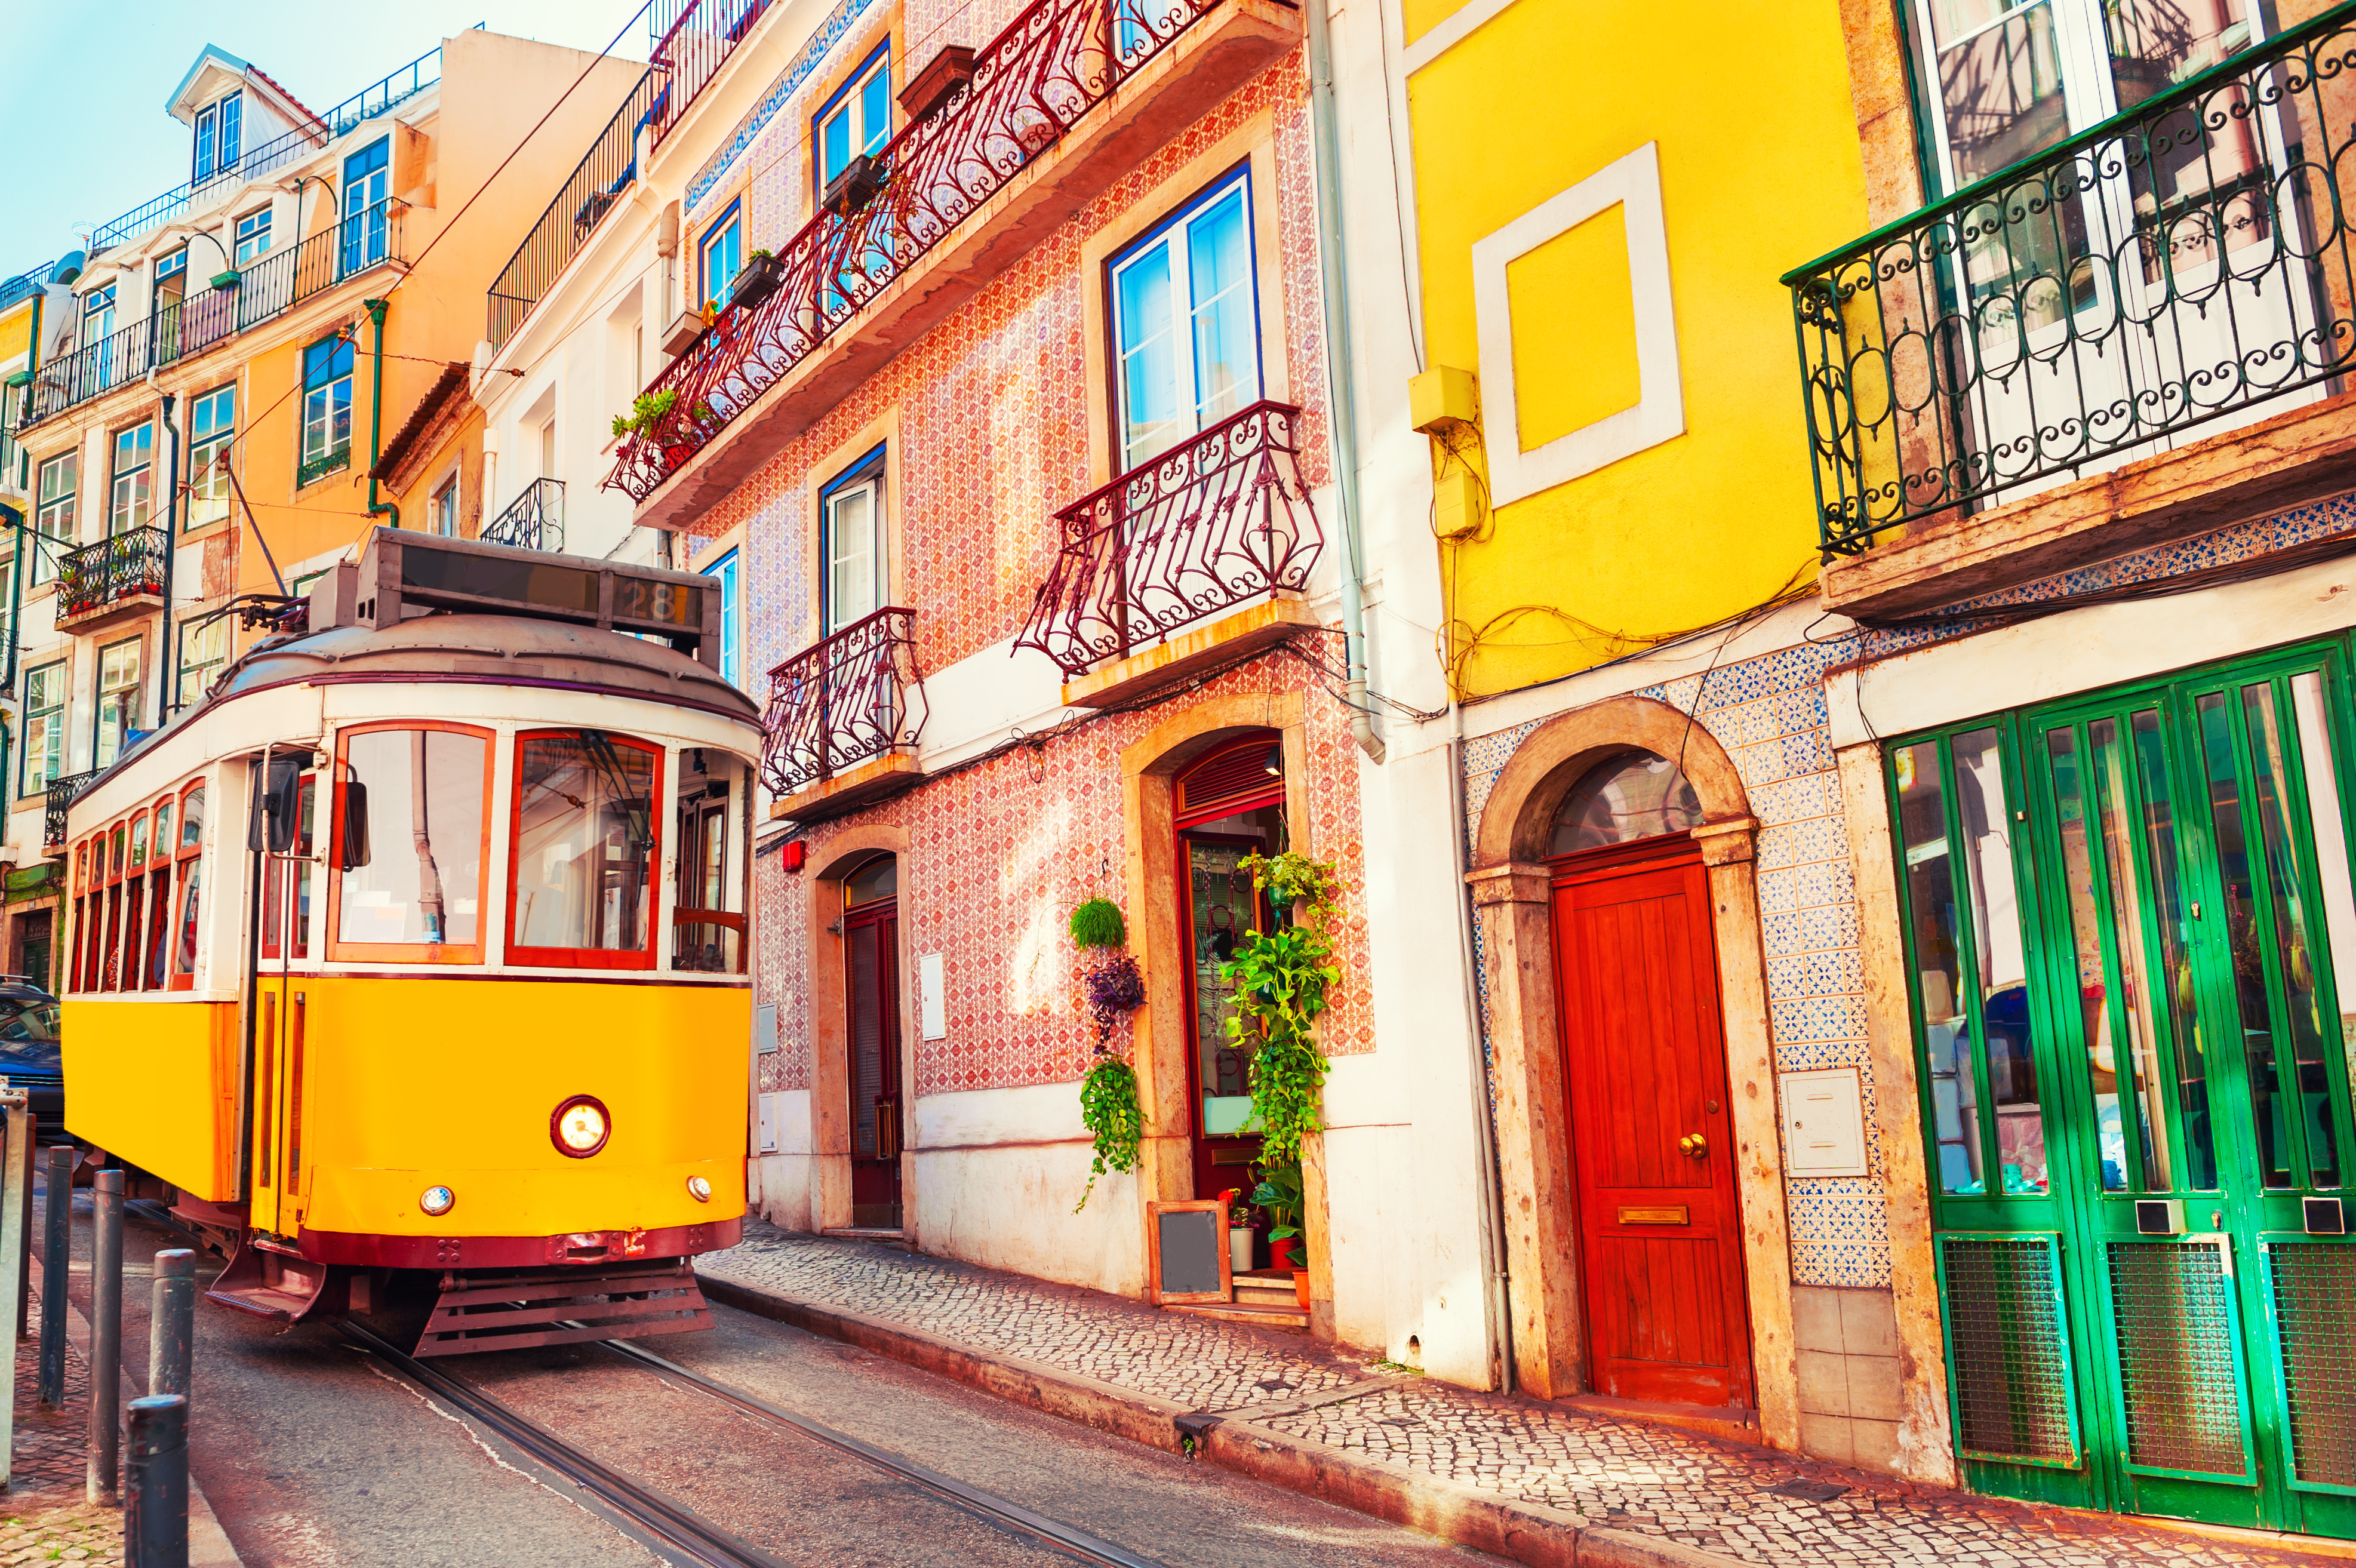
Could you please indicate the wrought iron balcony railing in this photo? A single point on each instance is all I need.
(252, 163)
(62, 792)
(266, 289)
(533, 521)
(605, 171)
(842, 702)
(2181, 263)
(1058, 60)
(1214, 523)
(694, 40)
(110, 571)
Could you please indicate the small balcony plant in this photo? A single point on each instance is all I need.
(647, 410)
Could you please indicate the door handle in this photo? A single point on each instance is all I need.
(1694, 1145)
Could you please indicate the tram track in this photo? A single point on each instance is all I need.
(691, 1536)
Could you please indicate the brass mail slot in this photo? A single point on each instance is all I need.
(1233, 1156)
(1666, 1214)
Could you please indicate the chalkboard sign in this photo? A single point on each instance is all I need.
(1186, 1251)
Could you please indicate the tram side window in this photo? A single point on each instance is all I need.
(192, 839)
(584, 851)
(411, 804)
(708, 922)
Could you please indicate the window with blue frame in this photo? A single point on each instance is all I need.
(1186, 322)
(326, 407)
(732, 640)
(368, 179)
(723, 253)
(857, 119)
(852, 525)
(219, 128)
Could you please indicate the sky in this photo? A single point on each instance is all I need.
(82, 88)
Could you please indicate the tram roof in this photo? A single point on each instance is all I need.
(477, 650)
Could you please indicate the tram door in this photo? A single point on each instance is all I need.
(282, 1001)
(2197, 926)
(871, 939)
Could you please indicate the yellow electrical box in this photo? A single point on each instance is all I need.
(1457, 511)
(1441, 396)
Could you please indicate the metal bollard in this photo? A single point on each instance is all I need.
(104, 1446)
(24, 1235)
(172, 1328)
(155, 1483)
(57, 1267)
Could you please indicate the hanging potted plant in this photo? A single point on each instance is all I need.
(1113, 988)
(759, 279)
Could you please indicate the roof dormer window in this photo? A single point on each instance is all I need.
(219, 133)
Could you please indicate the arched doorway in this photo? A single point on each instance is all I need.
(870, 943)
(1228, 805)
(1659, 1232)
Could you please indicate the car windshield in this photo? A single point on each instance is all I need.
(33, 1021)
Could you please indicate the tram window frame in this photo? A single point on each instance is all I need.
(186, 942)
(648, 956)
(285, 892)
(162, 908)
(335, 948)
(133, 969)
(735, 877)
(79, 931)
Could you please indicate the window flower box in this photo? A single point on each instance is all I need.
(855, 187)
(758, 280)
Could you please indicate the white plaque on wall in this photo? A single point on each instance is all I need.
(932, 1012)
(765, 1027)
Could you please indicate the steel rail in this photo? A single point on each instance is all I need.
(997, 1510)
(676, 1526)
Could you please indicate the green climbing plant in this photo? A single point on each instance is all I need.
(1283, 981)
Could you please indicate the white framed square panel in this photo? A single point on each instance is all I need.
(1634, 185)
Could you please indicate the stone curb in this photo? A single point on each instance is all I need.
(209, 1543)
(1466, 1515)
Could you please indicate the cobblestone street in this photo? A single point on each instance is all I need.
(45, 1519)
(1591, 1470)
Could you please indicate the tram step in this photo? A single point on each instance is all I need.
(267, 1285)
(560, 1306)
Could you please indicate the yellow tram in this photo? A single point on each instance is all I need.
(414, 957)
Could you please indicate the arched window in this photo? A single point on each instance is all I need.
(1635, 795)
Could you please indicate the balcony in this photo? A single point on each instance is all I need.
(842, 720)
(697, 38)
(112, 580)
(267, 289)
(1070, 96)
(1204, 529)
(605, 172)
(62, 793)
(254, 163)
(2139, 334)
(533, 521)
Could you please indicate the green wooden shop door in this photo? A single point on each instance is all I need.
(2130, 918)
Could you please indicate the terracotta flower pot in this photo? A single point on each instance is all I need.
(1285, 1254)
(1300, 1287)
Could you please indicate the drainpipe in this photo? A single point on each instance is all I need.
(1325, 125)
(170, 651)
(376, 414)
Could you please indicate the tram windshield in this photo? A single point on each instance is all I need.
(585, 844)
(412, 837)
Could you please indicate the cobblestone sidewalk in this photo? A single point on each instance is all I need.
(1585, 1469)
(43, 1518)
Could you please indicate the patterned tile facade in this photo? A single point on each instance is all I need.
(991, 412)
(813, 53)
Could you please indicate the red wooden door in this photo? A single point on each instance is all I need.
(1652, 1141)
(870, 943)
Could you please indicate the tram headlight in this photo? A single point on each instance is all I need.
(437, 1200)
(579, 1126)
(699, 1189)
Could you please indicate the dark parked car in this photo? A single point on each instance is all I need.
(29, 1057)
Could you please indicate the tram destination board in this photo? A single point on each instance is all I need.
(402, 574)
